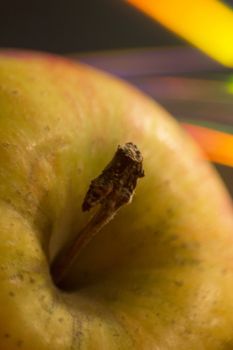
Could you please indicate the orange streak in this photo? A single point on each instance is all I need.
(218, 146)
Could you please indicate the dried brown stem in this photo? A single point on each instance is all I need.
(113, 188)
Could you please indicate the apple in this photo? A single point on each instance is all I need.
(159, 275)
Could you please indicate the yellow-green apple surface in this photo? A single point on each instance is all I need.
(159, 276)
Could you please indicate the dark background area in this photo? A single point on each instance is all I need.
(78, 25)
(64, 26)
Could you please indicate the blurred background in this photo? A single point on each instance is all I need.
(79, 26)
(180, 52)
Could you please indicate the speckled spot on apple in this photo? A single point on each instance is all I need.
(15, 92)
(227, 345)
(19, 343)
(32, 280)
(179, 283)
(17, 278)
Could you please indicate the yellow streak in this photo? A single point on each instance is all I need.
(207, 24)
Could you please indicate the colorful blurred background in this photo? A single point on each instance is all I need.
(180, 52)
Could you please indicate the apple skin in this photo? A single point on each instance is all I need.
(160, 275)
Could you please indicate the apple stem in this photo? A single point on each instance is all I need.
(113, 188)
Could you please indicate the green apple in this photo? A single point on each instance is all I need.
(159, 276)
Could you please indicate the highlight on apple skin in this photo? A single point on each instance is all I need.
(159, 276)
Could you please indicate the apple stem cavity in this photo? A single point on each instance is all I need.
(113, 188)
